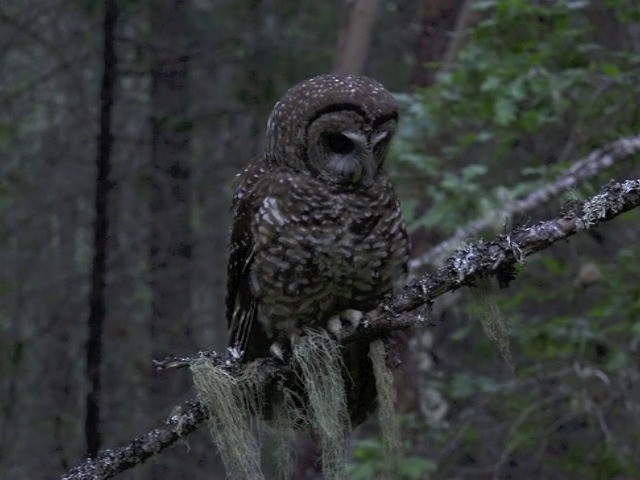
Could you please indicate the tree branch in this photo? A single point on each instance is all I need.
(582, 170)
(476, 260)
(97, 305)
(108, 463)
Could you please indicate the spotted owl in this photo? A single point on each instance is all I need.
(317, 227)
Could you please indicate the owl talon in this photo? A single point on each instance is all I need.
(334, 325)
(345, 324)
(354, 317)
(276, 351)
(285, 345)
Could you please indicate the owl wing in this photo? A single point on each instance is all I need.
(241, 304)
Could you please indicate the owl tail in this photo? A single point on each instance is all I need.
(231, 403)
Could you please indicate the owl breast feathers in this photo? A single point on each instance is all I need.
(317, 228)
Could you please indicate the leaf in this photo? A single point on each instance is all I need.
(504, 111)
(490, 84)
(416, 467)
(362, 471)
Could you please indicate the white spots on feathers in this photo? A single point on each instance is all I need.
(270, 212)
(317, 247)
(288, 121)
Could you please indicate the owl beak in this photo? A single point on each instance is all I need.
(363, 174)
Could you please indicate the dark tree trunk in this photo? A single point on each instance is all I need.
(173, 328)
(355, 38)
(170, 248)
(100, 232)
(171, 236)
(438, 19)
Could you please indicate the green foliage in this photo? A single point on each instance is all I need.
(571, 398)
(536, 86)
(370, 461)
(533, 80)
(591, 350)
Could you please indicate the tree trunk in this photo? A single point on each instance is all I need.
(171, 236)
(355, 39)
(438, 20)
(100, 232)
(170, 248)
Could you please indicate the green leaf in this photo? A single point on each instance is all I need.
(504, 111)
(490, 84)
(416, 467)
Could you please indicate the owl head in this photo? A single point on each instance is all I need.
(334, 127)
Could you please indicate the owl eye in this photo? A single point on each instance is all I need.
(338, 143)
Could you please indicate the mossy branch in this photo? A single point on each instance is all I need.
(475, 261)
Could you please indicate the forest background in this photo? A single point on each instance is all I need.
(122, 124)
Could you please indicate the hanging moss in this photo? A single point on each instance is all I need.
(317, 356)
(288, 417)
(387, 417)
(231, 403)
(492, 319)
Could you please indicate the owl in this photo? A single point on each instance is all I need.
(317, 227)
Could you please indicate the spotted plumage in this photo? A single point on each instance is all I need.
(317, 227)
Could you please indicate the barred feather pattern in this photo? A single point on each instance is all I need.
(317, 227)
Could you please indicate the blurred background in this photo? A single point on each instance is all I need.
(122, 124)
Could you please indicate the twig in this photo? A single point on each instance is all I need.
(475, 261)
